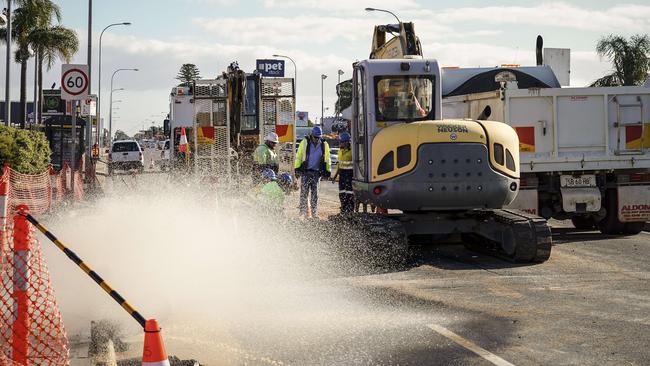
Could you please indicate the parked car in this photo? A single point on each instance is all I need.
(125, 155)
(334, 155)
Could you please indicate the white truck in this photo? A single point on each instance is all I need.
(585, 152)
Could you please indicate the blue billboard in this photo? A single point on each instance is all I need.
(271, 67)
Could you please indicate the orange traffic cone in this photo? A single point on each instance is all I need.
(154, 349)
(182, 143)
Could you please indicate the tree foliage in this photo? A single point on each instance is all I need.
(630, 59)
(25, 151)
(187, 74)
(121, 135)
(34, 32)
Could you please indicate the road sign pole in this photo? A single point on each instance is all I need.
(73, 160)
(75, 82)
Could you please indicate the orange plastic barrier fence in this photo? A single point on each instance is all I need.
(31, 329)
(40, 192)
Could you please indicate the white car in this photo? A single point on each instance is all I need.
(125, 155)
(334, 155)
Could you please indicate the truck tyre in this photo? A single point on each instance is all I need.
(610, 224)
(633, 228)
(583, 222)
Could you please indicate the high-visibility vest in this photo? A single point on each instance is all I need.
(264, 155)
(271, 195)
(345, 159)
(302, 155)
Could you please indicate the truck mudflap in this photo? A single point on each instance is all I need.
(581, 200)
(634, 203)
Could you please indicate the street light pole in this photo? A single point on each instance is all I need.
(89, 120)
(338, 86)
(385, 11)
(110, 122)
(322, 98)
(110, 116)
(8, 68)
(99, 75)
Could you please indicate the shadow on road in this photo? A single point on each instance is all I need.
(570, 236)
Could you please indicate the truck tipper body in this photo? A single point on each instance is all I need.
(584, 152)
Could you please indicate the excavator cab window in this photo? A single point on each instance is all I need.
(404, 98)
(249, 116)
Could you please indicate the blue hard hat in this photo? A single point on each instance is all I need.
(316, 131)
(285, 178)
(344, 137)
(269, 174)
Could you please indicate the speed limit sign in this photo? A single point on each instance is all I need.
(74, 82)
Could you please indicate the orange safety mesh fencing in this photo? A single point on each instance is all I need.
(41, 192)
(31, 328)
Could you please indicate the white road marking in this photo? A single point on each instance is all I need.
(491, 357)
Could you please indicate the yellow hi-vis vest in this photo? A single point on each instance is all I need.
(345, 159)
(302, 156)
(264, 155)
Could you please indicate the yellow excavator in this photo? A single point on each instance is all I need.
(444, 176)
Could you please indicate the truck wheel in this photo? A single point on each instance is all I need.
(610, 224)
(633, 228)
(583, 222)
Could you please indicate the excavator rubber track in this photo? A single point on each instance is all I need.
(511, 235)
(526, 238)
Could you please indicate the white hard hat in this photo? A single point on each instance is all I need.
(272, 137)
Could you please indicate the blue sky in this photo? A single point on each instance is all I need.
(324, 36)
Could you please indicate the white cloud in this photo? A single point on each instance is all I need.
(309, 31)
(285, 30)
(630, 18)
(337, 5)
(214, 2)
(325, 43)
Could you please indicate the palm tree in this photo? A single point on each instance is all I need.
(630, 59)
(49, 44)
(30, 16)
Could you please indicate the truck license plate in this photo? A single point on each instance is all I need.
(570, 181)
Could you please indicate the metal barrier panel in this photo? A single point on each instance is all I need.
(278, 108)
(211, 129)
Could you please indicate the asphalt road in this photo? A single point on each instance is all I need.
(588, 305)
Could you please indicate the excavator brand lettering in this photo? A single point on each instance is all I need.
(452, 128)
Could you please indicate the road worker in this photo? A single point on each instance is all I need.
(344, 173)
(312, 163)
(265, 157)
(270, 193)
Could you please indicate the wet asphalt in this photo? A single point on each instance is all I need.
(588, 305)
